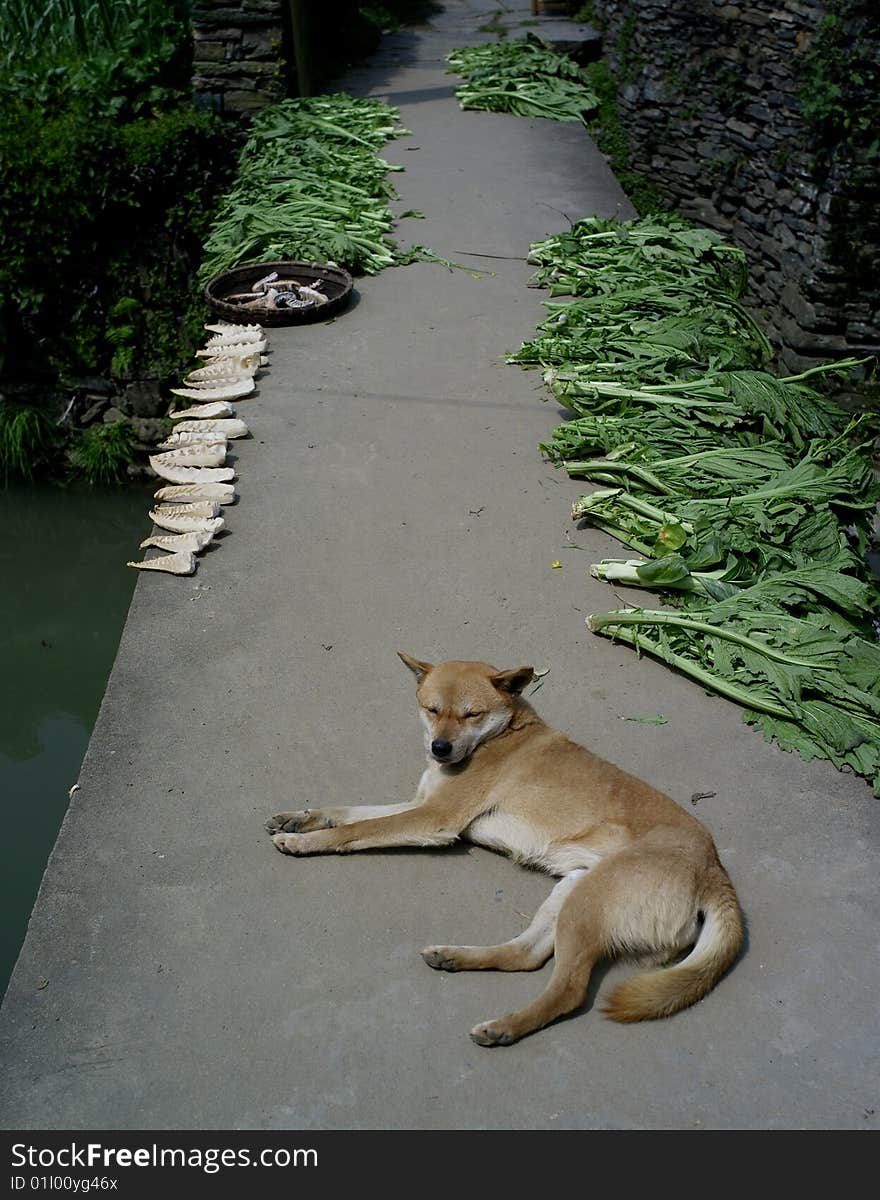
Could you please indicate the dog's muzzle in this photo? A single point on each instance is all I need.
(441, 749)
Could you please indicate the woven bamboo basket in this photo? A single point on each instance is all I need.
(337, 286)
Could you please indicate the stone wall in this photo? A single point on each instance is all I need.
(237, 50)
(712, 96)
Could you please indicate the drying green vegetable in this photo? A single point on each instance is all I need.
(655, 432)
(733, 476)
(708, 336)
(601, 256)
(718, 471)
(783, 523)
(747, 497)
(522, 76)
(654, 299)
(515, 58)
(310, 186)
(739, 402)
(810, 681)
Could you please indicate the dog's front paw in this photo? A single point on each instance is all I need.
(441, 958)
(298, 822)
(492, 1033)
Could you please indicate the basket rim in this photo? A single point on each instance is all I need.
(312, 270)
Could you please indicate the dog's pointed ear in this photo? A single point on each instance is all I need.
(513, 681)
(419, 669)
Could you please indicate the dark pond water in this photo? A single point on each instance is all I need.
(64, 595)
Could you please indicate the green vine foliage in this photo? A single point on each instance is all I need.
(840, 103)
(840, 71)
(608, 132)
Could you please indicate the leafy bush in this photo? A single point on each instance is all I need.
(109, 178)
(102, 453)
(118, 56)
(101, 225)
(27, 435)
(840, 92)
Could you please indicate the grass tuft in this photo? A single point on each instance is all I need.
(27, 435)
(102, 454)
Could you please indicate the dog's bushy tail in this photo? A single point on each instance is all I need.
(662, 993)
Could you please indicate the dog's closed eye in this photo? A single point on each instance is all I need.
(471, 716)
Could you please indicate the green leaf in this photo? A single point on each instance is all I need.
(672, 536)
(663, 572)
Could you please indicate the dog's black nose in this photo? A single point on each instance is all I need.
(441, 748)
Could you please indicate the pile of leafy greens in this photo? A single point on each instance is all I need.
(310, 186)
(522, 76)
(748, 498)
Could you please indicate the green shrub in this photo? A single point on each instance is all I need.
(119, 57)
(27, 435)
(101, 226)
(102, 453)
(840, 73)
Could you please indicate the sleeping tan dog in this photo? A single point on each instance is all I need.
(639, 876)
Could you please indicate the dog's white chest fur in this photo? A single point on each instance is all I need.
(521, 839)
(525, 844)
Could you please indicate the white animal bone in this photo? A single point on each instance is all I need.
(211, 455)
(308, 293)
(183, 493)
(198, 509)
(231, 349)
(235, 333)
(229, 428)
(195, 541)
(260, 285)
(198, 475)
(181, 523)
(226, 391)
(226, 378)
(219, 408)
(192, 437)
(183, 563)
(224, 368)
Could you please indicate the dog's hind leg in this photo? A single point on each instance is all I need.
(526, 952)
(578, 946)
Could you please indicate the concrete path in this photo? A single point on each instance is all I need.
(392, 496)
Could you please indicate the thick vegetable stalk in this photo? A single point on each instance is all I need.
(740, 402)
(669, 572)
(811, 683)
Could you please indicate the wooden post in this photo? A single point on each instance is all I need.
(299, 37)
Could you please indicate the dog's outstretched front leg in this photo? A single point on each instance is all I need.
(421, 826)
(308, 819)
